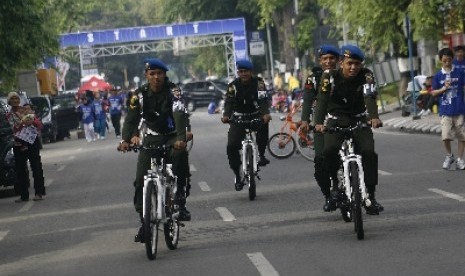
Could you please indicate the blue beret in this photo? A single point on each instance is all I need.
(352, 51)
(328, 49)
(244, 64)
(154, 63)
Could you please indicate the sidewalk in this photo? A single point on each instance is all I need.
(393, 119)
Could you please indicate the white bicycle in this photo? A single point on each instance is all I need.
(351, 190)
(159, 206)
(249, 152)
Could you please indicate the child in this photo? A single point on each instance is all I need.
(448, 87)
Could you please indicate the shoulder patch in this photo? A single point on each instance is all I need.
(134, 102)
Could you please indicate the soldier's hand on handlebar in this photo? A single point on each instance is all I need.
(304, 126)
(266, 118)
(375, 123)
(123, 146)
(225, 119)
(179, 145)
(320, 128)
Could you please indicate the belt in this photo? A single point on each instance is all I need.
(360, 115)
(152, 132)
(245, 114)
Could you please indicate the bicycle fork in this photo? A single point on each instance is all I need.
(151, 176)
(346, 160)
(244, 156)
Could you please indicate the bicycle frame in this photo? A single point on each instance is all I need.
(348, 155)
(159, 173)
(249, 140)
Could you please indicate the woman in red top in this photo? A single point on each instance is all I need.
(26, 129)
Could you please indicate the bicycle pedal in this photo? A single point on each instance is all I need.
(258, 177)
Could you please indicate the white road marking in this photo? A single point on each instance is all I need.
(384, 172)
(26, 206)
(3, 234)
(192, 168)
(48, 182)
(225, 214)
(263, 266)
(62, 167)
(204, 186)
(72, 157)
(447, 194)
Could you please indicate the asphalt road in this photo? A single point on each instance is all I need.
(86, 224)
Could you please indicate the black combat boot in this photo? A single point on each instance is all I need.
(184, 214)
(238, 183)
(375, 207)
(263, 161)
(140, 237)
(330, 204)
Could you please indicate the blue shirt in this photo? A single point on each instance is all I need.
(116, 104)
(451, 102)
(87, 113)
(98, 108)
(459, 64)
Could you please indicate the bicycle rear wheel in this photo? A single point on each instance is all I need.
(150, 221)
(171, 226)
(305, 145)
(356, 201)
(251, 173)
(281, 145)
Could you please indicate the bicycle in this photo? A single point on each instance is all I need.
(249, 152)
(283, 144)
(159, 206)
(351, 191)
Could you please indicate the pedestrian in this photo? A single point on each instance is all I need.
(116, 108)
(246, 96)
(328, 58)
(459, 58)
(163, 114)
(27, 145)
(87, 115)
(343, 100)
(100, 116)
(448, 85)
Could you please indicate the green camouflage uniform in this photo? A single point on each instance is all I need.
(164, 115)
(345, 101)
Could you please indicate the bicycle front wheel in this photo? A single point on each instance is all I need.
(305, 145)
(171, 226)
(281, 145)
(150, 221)
(356, 200)
(251, 173)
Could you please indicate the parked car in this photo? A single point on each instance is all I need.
(201, 93)
(43, 108)
(64, 107)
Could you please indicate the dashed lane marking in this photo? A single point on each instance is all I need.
(447, 194)
(225, 214)
(3, 234)
(192, 168)
(204, 186)
(48, 182)
(26, 207)
(384, 172)
(62, 167)
(263, 266)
